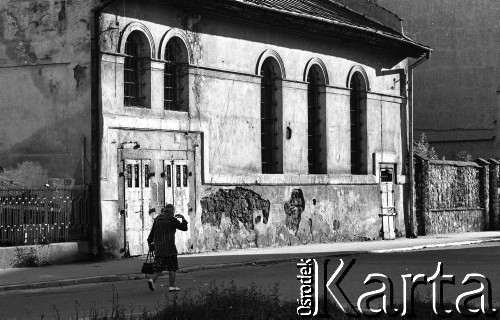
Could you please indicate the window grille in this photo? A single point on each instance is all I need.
(129, 176)
(313, 123)
(136, 175)
(184, 176)
(146, 175)
(269, 119)
(386, 175)
(133, 79)
(178, 176)
(169, 175)
(356, 123)
(172, 77)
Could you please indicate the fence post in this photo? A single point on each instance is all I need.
(421, 194)
(494, 170)
(484, 190)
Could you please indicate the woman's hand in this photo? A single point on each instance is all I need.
(180, 216)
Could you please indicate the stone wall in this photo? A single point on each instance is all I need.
(451, 196)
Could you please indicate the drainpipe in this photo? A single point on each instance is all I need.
(96, 234)
(423, 58)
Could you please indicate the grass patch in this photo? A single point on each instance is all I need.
(221, 301)
(229, 302)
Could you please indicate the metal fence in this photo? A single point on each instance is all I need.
(43, 215)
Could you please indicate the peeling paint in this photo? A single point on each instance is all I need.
(294, 208)
(237, 204)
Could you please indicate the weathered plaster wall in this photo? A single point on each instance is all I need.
(451, 196)
(224, 101)
(224, 116)
(456, 91)
(327, 214)
(45, 84)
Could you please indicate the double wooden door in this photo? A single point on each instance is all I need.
(148, 185)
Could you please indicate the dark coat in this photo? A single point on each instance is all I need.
(163, 234)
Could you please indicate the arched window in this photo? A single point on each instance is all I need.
(176, 76)
(135, 75)
(316, 124)
(271, 115)
(358, 124)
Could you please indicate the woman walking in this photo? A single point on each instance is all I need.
(161, 240)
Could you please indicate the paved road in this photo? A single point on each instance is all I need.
(135, 296)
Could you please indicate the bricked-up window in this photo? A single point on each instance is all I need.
(316, 137)
(176, 76)
(358, 124)
(271, 127)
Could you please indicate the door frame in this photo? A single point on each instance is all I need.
(157, 157)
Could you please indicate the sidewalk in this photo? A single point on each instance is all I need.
(129, 269)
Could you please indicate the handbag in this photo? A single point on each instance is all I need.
(147, 267)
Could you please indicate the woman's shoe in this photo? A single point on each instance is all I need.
(151, 285)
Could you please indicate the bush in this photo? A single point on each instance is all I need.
(29, 258)
(464, 156)
(422, 148)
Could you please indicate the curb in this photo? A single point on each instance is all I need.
(140, 276)
(439, 245)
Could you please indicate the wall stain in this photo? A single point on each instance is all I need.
(294, 208)
(61, 16)
(238, 204)
(80, 74)
(53, 86)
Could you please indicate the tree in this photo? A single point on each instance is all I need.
(422, 148)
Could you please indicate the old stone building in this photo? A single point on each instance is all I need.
(457, 91)
(265, 122)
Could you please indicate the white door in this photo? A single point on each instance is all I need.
(137, 205)
(387, 180)
(178, 181)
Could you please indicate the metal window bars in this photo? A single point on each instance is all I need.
(356, 123)
(313, 123)
(173, 87)
(269, 119)
(133, 73)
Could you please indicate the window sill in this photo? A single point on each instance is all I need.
(288, 179)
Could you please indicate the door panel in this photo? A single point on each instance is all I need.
(387, 181)
(137, 204)
(178, 181)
